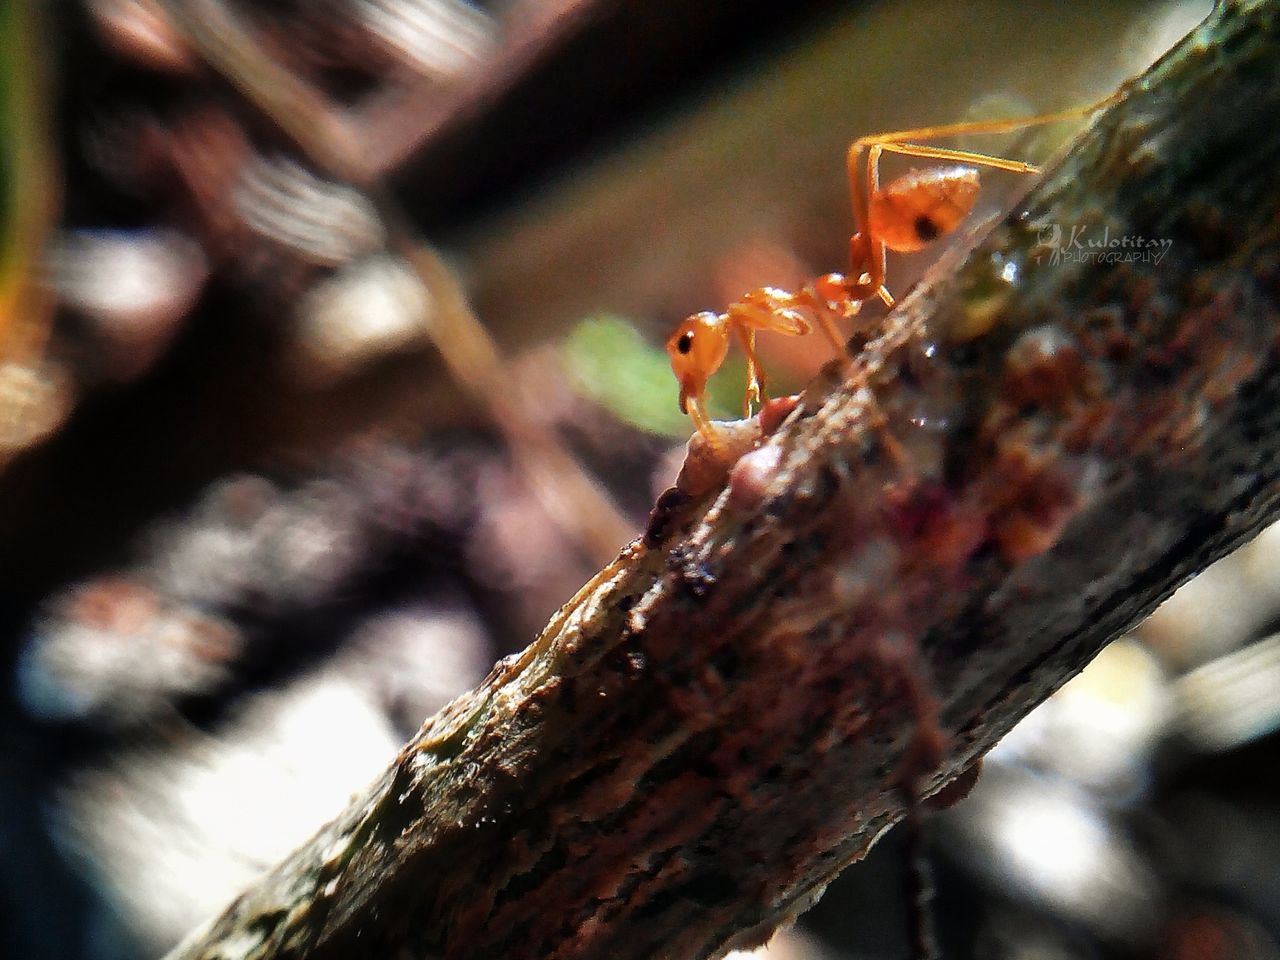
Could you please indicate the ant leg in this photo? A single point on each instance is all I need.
(866, 253)
(985, 126)
(959, 156)
(877, 261)
(745, 334)
(755, 372)
(822, 313)
(775, 310)
(828, 328)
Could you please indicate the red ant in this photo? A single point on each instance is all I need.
(906, 215)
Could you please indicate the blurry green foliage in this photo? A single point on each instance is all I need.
(617, 368)
(23, 205)
(11, 96)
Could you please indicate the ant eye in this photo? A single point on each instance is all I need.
(685, 343)
(926, 229)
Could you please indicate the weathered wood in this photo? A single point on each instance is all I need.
(1033, 453)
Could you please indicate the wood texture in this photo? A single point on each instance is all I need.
(1040, 445)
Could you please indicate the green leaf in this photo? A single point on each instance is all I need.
(617, 368)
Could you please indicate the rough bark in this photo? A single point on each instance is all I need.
(1030, 455)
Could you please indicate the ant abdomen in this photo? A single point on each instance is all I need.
(920, 206)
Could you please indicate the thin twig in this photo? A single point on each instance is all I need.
(578, 504)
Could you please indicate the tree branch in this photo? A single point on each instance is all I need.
(1038, 447)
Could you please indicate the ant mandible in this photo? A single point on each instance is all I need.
(905, 215)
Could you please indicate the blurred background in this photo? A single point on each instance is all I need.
(270, 494)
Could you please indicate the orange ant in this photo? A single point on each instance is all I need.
(905, 215)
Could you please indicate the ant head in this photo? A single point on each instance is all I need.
(697, 348)
(922, 205)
